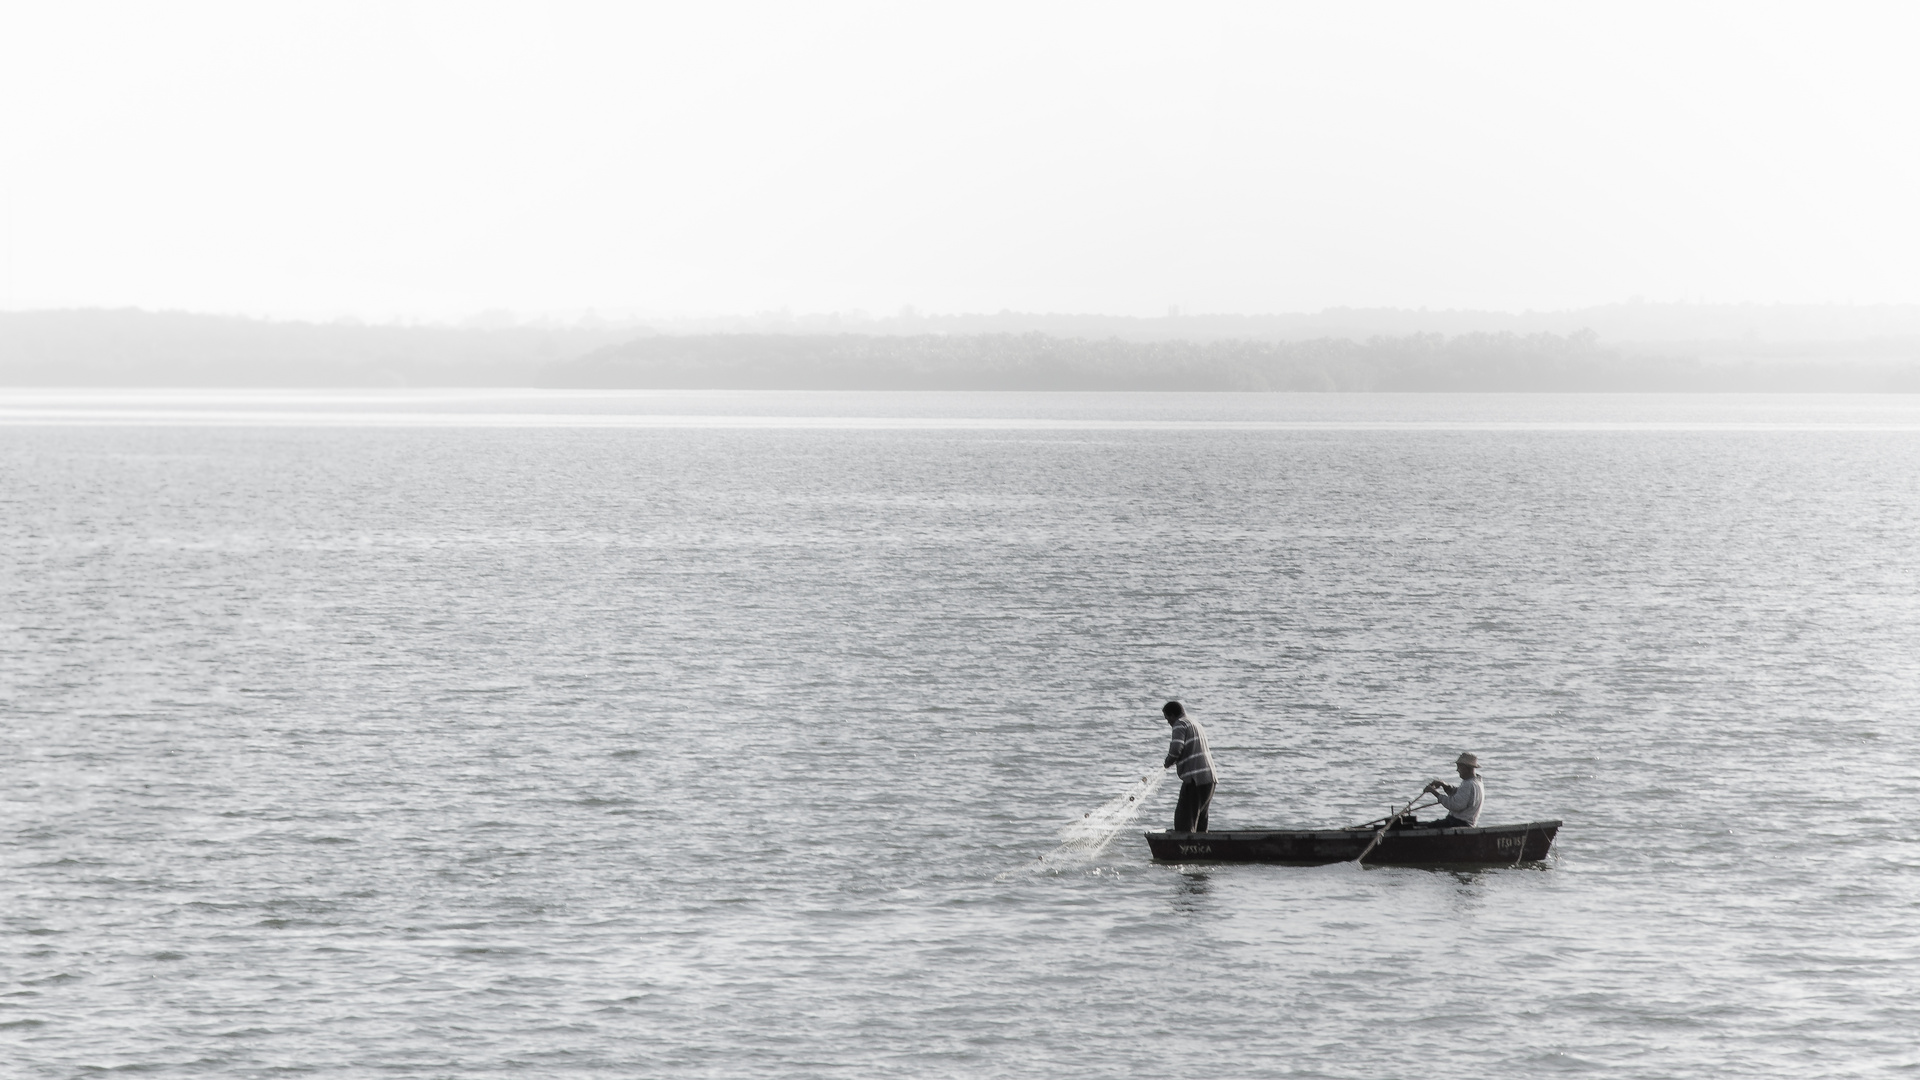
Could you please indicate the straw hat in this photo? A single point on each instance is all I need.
(1468, 760)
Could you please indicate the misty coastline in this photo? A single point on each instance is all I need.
(1476, 362)
(1812, 349)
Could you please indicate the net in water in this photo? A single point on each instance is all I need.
(1084, 839)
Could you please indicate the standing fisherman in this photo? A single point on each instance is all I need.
(1189, 751)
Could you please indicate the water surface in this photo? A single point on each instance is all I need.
(508, 734)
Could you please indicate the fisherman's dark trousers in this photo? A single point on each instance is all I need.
(1190, 814)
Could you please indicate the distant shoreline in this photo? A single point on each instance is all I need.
(129, 348)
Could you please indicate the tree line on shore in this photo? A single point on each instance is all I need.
(171, 349)
(1540, 362)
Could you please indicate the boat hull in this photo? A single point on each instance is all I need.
(1494, 845)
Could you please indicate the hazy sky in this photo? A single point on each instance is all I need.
(433, 159)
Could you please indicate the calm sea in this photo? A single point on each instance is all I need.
(718, 735)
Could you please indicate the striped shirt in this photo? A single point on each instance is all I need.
(1189, 749)
(1465, 801)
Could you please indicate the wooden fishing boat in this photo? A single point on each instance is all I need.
(1419, 845)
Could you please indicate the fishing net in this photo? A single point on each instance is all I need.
(1085, 839)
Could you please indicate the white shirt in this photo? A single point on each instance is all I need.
(1465, 801)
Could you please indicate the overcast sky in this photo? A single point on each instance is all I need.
(432, 160)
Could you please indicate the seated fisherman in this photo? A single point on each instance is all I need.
(1462, 800)
(1189, 751)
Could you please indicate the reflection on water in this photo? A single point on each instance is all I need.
(1189, 882)
(1189, 896)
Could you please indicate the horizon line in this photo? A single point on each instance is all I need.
(501, 317)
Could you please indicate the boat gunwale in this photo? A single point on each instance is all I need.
(1349, 832)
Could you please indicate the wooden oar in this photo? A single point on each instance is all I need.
(1368, 850)
(1389, 819)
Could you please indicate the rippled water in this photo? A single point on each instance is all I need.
(720, 735)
